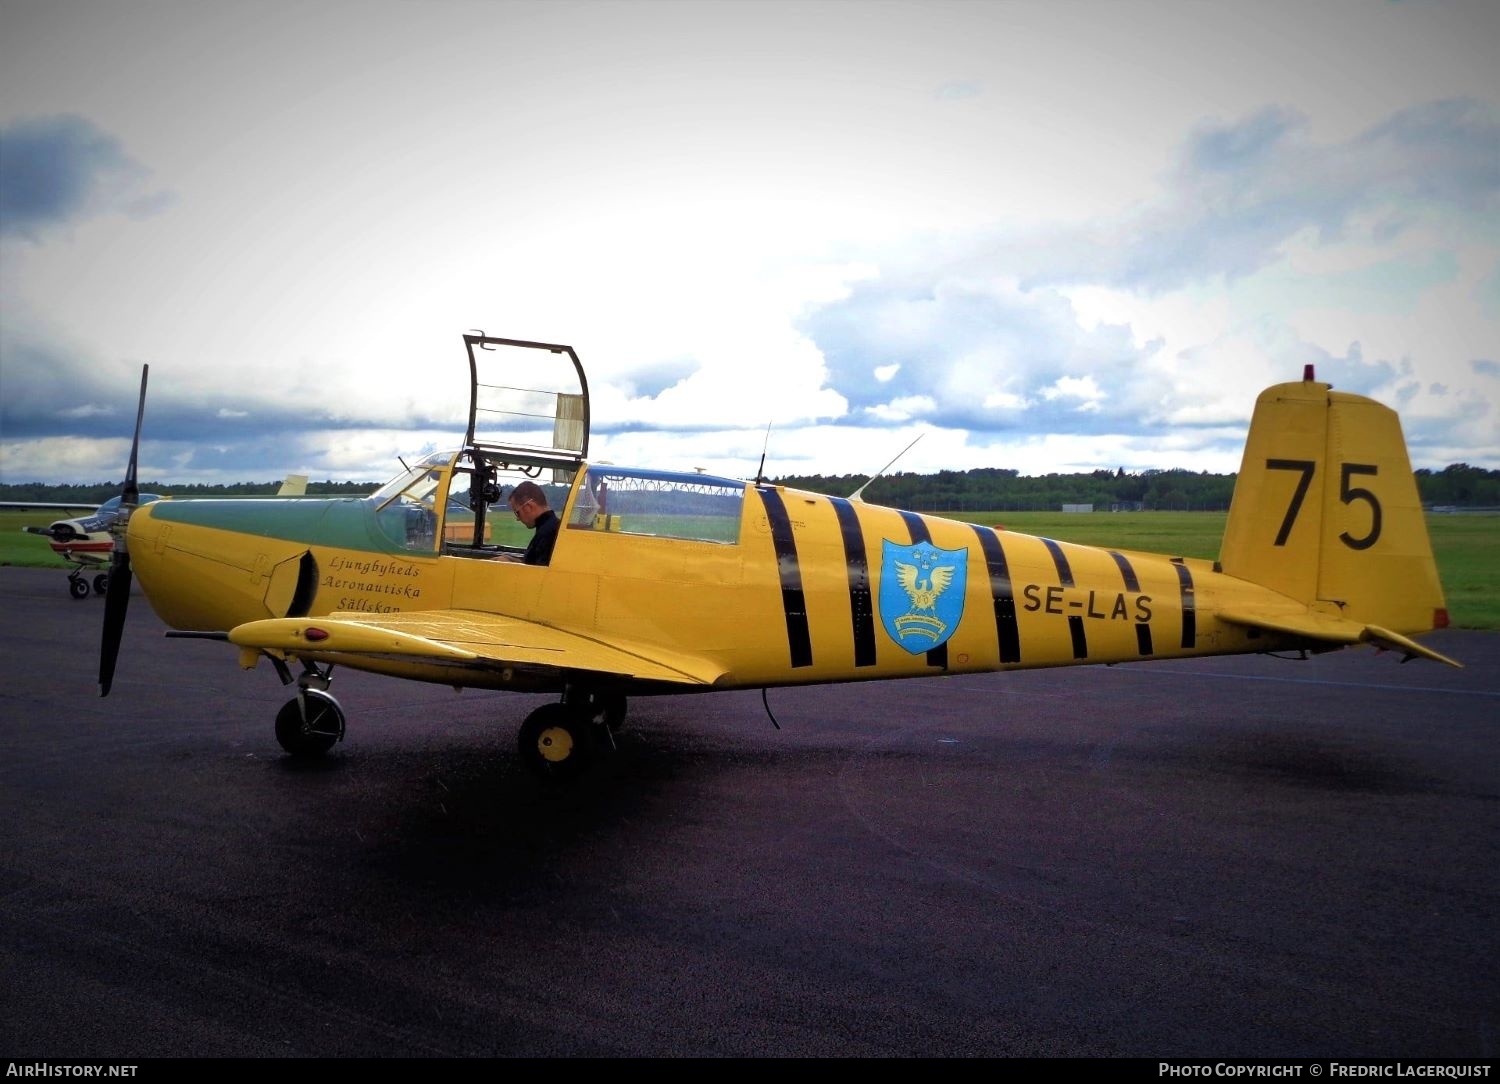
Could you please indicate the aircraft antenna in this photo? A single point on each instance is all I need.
(857, 495)
(760, 471)
(764, 699)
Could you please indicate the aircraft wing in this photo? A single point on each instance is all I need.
(1338, 630)
(469, 640)
(18, 506)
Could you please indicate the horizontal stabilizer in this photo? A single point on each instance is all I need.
(1338, 630)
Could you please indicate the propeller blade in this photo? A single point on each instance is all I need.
(130, 495)
(117, 597)
(116, 601)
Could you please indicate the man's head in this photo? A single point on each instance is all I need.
(528, 502)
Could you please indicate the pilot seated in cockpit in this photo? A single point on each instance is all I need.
(529, 503)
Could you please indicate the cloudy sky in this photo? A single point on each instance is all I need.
(1048, 236)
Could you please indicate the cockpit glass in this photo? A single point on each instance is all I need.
(664, 504)
(426, 470)
(528, 397)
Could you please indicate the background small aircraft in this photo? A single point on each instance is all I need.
(85, 542)
(665, 582)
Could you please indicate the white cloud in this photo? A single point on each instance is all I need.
(1004, 401)
(904, 409)
(1082, 389)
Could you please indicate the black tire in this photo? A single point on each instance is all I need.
(78, 588)
(101, 583)
(555, 741)
(308, 733)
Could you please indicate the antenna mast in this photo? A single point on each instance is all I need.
(858, 494)
(760, 471)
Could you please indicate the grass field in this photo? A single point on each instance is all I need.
(1467, 546)
(29, 550)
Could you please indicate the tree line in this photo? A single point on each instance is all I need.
(1458, 485)
(99, 492)
(998, 489)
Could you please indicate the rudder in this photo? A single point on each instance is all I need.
(1326, 510)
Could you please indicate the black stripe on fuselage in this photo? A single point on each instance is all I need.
(1126, 571)
(793, 601)
(1189, 610)
(1133, 583)
(1065, 577)
(1060, 559)
(937, 656)
(861, 606)
(1002, 592)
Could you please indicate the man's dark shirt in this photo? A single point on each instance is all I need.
(540, 550)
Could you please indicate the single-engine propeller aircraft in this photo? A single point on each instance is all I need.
(666, 582)
(85, 542)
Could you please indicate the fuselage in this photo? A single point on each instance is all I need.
(777, 586)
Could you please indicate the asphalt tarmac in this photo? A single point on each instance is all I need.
(1240, 857)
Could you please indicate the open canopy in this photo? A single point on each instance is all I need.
(528, 402)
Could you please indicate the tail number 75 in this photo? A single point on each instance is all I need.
(1348, 494)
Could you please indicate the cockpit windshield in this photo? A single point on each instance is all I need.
(418, 480)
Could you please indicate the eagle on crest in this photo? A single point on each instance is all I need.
(923, 598)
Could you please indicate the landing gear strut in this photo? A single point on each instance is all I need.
(311, 723)
(607, 710)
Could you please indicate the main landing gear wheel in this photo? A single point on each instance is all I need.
(556, 741)
(78, 588)
(101, 584)
(309, 724)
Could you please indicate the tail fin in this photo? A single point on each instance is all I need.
(1326, 511)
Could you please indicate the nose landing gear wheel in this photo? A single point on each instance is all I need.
(78, 588)
(308, 725)
(555, 741)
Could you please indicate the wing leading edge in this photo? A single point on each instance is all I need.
(469, 639)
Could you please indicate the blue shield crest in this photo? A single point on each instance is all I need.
(921, 593)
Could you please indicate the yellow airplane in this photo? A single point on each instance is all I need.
(664, 582)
